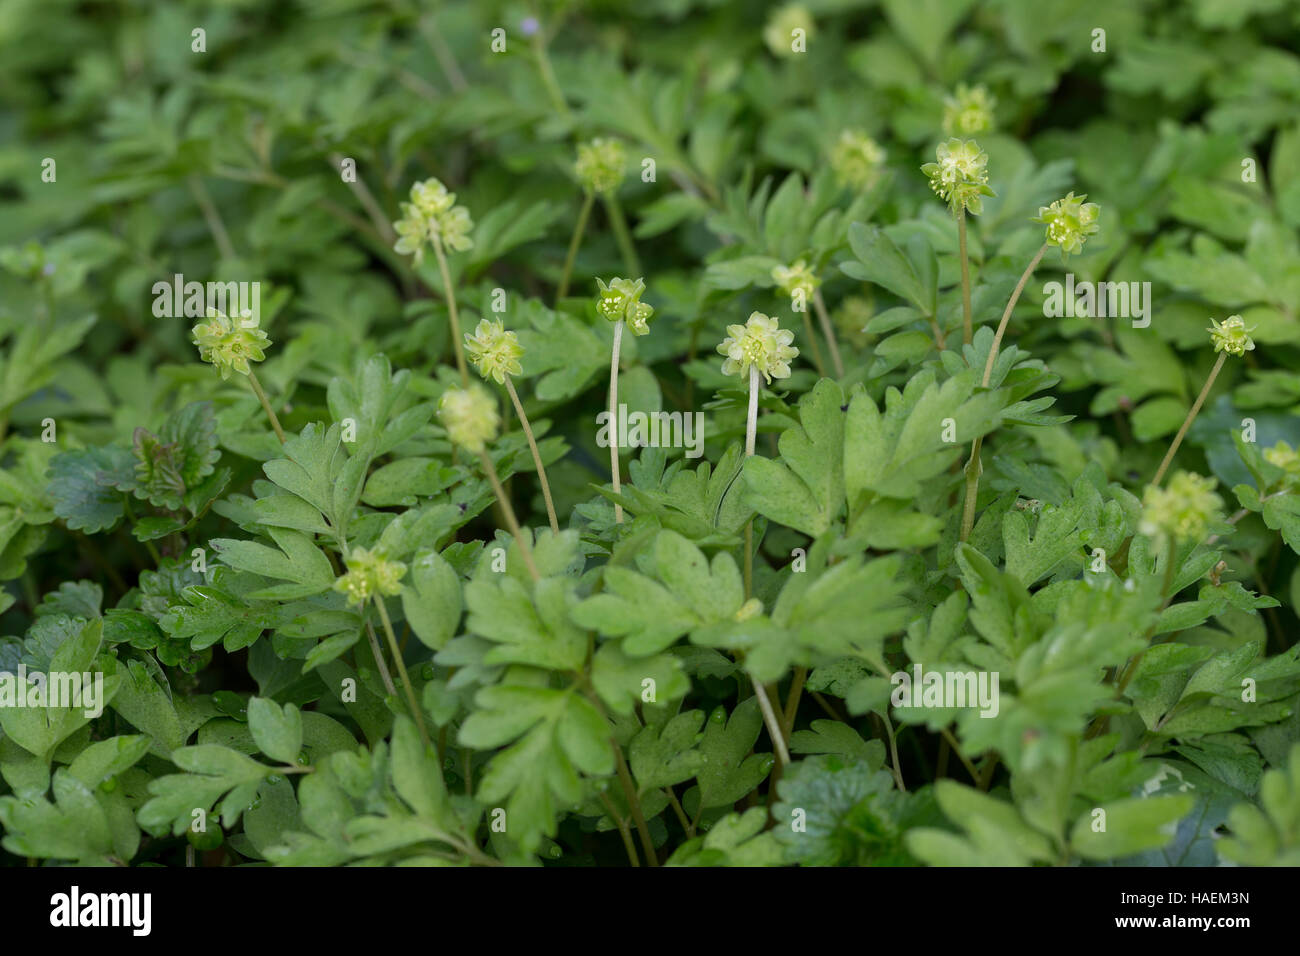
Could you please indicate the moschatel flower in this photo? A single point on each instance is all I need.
(370, 573)
(432, 214)
(601, 164)
(1231, 335)
(760, 342)
(621, 299)
(857, 159)
(1070, 221)
(795, 278)
(780, 35)
(470, 417)
(230, 345)
(494, 351)
(1285, 457)
(960, 175)
(1181, 511)
(968, 111)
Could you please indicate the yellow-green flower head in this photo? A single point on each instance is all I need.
(960, 175)
(470, 417)
(370, 573)
(1180, 511)
(621, 299)
(760, 342)
(968, 111)
(1231, 335)
(230, 345)
(494, 351)
(1283, 456)
(857, 159)
(601, 164)
(790, 279)
(430, 197)
(432, 214)
(1070, 221)
(779, 34)
(412, 232)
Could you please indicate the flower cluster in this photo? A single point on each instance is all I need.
(621, 300)
(795, 278)
(1181, 511)
(857, 159)
(779, 34)
(1231, 335)
(968, 111)
(494, 351)
(432, 214)
(960, 175)
(470, 417)
(369, 573)
(601, 164)
(760, 342)
(1070, 221)
(1287, 458)
(229, 345)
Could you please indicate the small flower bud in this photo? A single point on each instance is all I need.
(760, 342)
(799, 277)
(601, 165)
(470, 417)
(779, 34)
(968, 111)
(494, 351)
(857, 159)
(1181, 511)
(228, 345)
(1231, 335)
(369, 573)
(1070, 221)
(1283, 456)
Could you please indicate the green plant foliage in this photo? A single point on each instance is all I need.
(984, 549)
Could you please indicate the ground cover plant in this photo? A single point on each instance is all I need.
(672, 433)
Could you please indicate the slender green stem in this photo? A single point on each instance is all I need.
(450, 292)
(212, 217)
(956, 748)
(751, 434)
(773, 725)
(893, 753)
(548, 76)
(629, 791)
(579, 228)
(416, 711)
(511, 521)
(368, 203)
(682, 818)
(1006, 314)
(376, 650)
(148, 545)
(537, 456)
(974, 468)
(792, 702)
(1191, 416)
(628, 846)
(266, 405)
(613, 418)
(829, 331)
(812, 342)
(621, 235)
(442, 52)
(967, 328)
